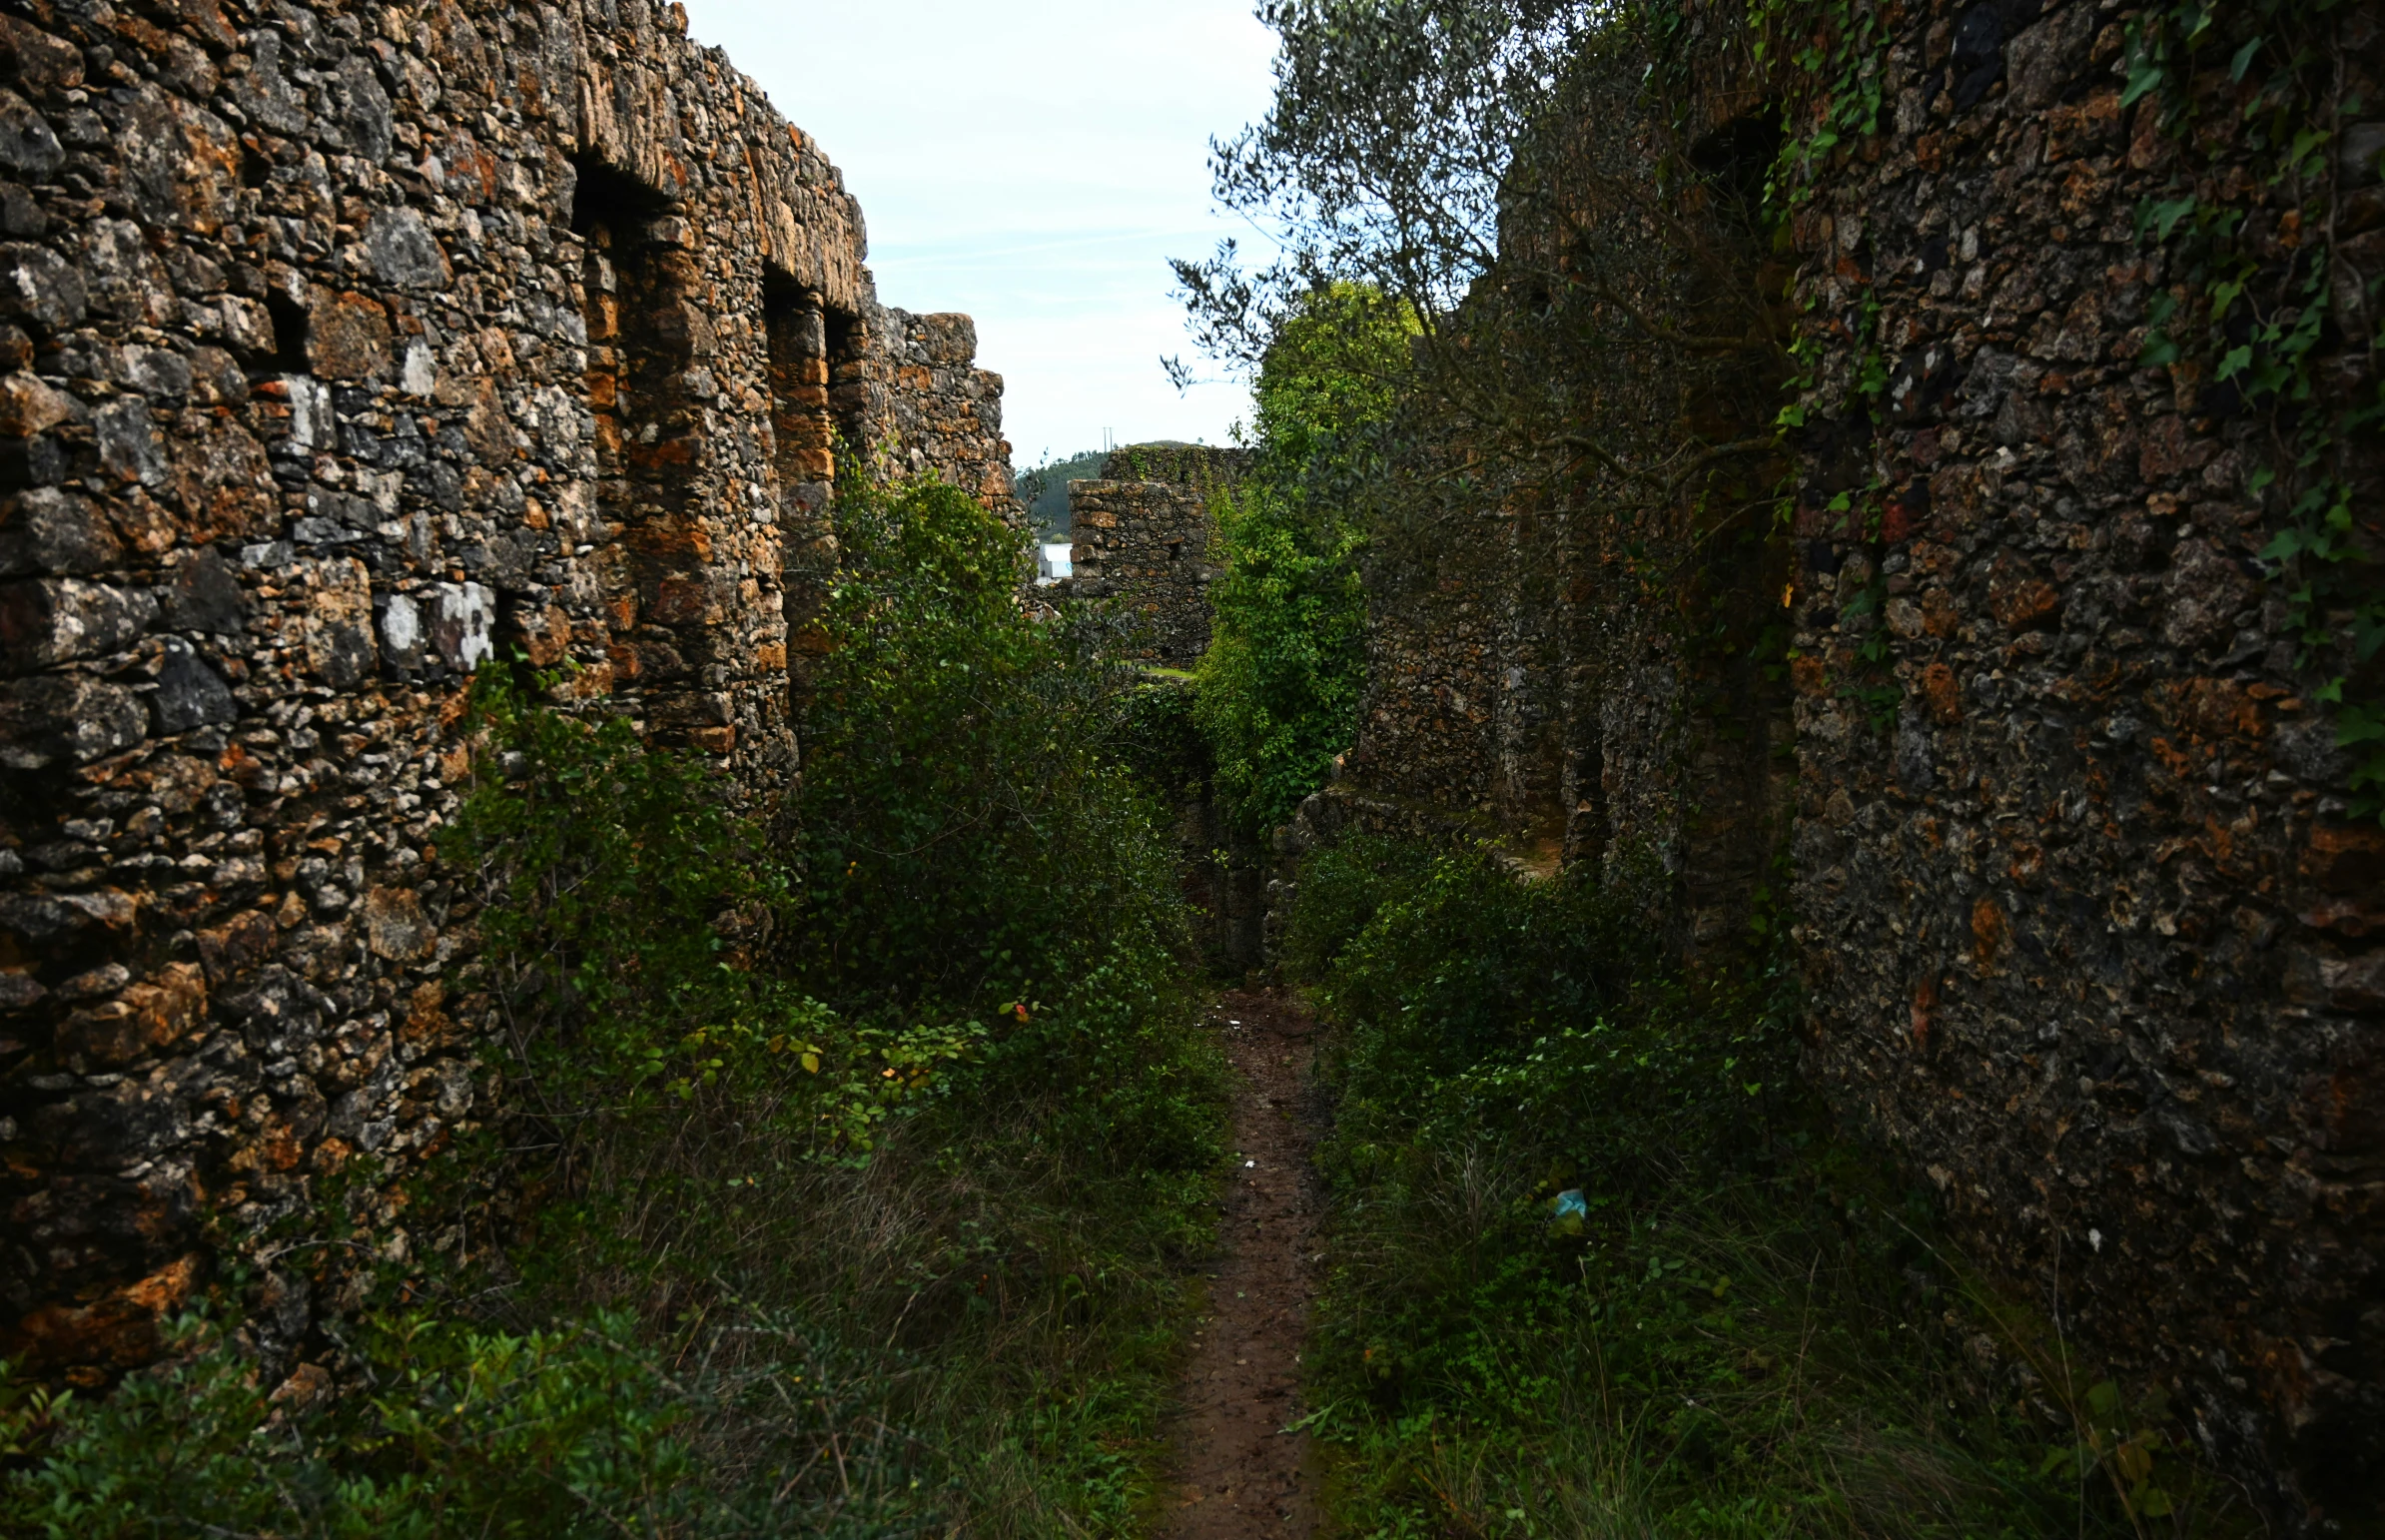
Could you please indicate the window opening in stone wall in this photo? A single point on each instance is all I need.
(803, 456)
(290, 333)
(646, 381)
(1738, 156)
(852, 400)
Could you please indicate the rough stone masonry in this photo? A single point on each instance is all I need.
(2092, 937)
(1144, 540)
(342, 346)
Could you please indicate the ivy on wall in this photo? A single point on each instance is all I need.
(2262, 309)
(2261, 303)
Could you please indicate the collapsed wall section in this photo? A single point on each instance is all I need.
(343, 348)
(1144, 538)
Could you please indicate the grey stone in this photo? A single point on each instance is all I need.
(1985, 382)
(123, 277)
(2046, 57)
(463, 627)
(2308, 752)
(204, 595)
(2364, 146)
(52, 620)
(1914, 769)
(188, 694)
(158, 371)
(48, 529)
(19, 214)
(262, 92)
(130, 446)
(404, 253)
(69, 718)
(155, 154)
(39, 285)
(363, 108)
(28, 145)
(401, 634)
(2205, 588)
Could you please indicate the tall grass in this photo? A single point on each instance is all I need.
(1599, 1268)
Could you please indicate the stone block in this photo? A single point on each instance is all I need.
(48, 529)
(47, 622)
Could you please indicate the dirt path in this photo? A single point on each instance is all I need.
(1238, 1473)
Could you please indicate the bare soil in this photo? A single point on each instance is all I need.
(1238, 1473)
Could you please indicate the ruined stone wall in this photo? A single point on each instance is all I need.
(1147, 546)
(2090, 938)
(1434, 675)
(2089, 931)
(342, 347)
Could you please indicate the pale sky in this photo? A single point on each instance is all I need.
(1034, 165)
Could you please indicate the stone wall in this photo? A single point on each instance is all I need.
(342, 347)
(1143, 537)
(2090, 939)
(2090, 936)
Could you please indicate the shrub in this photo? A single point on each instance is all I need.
(1598, 1267)
(978, 847)
(848, 1175)
(1341, 887)
(579, 1430)
(1280, 683)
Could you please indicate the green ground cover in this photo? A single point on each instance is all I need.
(854, 1168)
(1597, 1267)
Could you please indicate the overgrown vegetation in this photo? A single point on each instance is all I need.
(856, 1171)
(1044, 489)
(2268, 308)
(1557, 318)
(1597, 1268)
(1583, 289)
(1279, 685)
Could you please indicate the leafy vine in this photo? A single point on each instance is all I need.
(2263, 303)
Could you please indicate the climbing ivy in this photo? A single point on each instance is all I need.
(1835, 49)
(2260, 297)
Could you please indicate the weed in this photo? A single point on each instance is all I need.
(850, 1175)
(1599, 1268)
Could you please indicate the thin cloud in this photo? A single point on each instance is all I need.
(1034, 165)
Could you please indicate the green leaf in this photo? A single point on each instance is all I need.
(2356, 725)
(2166, 214)
(2243, 59)
(2144, 76)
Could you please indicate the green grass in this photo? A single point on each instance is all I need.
(1734, 1325)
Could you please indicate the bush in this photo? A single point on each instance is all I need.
(1341, 888)
(856, 1171)
(977, 848)
(1598, 1268)
(1280, 683)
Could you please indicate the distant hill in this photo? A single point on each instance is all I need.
(1044, 488)
(1044, 491)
